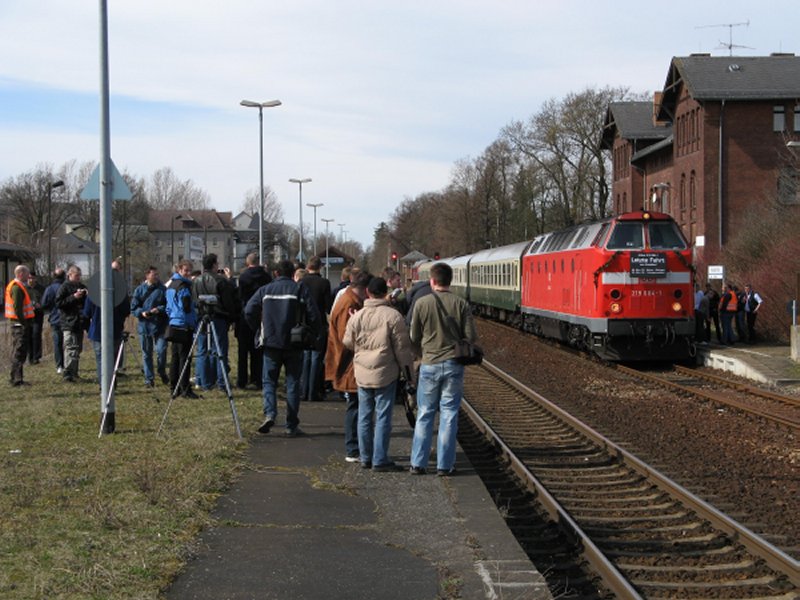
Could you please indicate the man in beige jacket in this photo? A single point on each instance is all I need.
(378, 336)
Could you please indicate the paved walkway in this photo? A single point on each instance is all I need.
(303, 523)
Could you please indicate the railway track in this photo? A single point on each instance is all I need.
(784, 410)
(643, 535)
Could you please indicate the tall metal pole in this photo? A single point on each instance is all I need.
(106, 181)
(315, 207)
(300, 182)
(260, 106)
(327, 246)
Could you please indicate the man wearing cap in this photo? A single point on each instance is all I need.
(19, 312)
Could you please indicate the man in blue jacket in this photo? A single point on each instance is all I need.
(149, 306)
(275, 308)
(182, 314)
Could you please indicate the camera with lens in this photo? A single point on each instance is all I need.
(207, 303)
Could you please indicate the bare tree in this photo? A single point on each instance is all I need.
(165, 191)
(273, 211)
(563, 140)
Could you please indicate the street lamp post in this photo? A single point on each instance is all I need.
(315, 207)
(50, 187)
(261, 106)
(327, 246)
(172, 238)
(300, 182)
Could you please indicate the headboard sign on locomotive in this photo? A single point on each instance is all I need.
(652, 265)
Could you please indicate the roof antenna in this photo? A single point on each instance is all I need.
(730, 45)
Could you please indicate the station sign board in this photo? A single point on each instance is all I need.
(652, 265)
(716, 272)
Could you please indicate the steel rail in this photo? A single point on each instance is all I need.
(743, 387)
(771, 555)
(612, 578)
(793, 423)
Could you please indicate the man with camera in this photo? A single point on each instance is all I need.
(70, 300)
(274, 310)
(216, 299)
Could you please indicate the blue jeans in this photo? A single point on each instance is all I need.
(373, 440)
(313, 376)
(207, 367)
(148, 344)
(292, 360)
(58, 345)
(440, 387)
(727, 326)
(98, 356)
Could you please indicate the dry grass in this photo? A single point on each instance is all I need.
(82, 517)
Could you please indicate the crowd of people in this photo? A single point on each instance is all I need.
(732, 309)
(362, 341)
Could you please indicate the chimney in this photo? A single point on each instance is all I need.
(657, 98)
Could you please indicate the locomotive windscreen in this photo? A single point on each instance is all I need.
(665, 235)
(626, 236)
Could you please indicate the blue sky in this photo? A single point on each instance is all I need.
(380, 98)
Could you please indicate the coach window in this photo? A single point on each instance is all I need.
(562, 265)
(573, 265)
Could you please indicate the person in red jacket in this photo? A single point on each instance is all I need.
(19, 311)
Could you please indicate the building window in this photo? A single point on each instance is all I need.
(778, 118)
(797, 118)
(682, 193)
(692, 190)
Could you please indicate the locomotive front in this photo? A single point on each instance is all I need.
(644, 290)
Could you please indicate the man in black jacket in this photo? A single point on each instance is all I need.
(223, 312)
(49, 305)
(312, 382)
(70, 300)
(277, 308)
(252, 278)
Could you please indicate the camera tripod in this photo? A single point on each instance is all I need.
(108, 422)
(207, 327)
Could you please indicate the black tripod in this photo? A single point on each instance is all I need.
(206, 326)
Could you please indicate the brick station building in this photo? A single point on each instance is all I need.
(710, 145)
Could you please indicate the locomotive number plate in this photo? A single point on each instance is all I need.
(648, 264)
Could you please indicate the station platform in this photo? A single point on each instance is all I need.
(301, 523)
(765, 363)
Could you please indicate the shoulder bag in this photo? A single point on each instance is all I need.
(467, 353)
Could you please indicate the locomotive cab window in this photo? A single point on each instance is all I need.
(665, 236)
(626, 236)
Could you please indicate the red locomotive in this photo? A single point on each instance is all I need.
(622, 287)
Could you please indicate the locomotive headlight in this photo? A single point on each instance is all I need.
(615, 294)
(616, 308)
(676, 306)
(678, 294)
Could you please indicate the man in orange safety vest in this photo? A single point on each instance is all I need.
(19, 312)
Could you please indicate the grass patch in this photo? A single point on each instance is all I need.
(114, 517)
